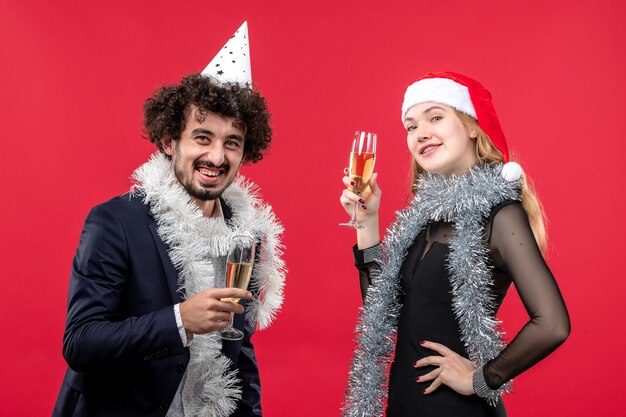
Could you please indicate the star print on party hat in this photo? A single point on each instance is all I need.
(463, 94)
(232, 62)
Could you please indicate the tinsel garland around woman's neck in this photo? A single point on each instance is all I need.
(465, 200)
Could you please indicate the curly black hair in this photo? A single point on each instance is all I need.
(166, 112)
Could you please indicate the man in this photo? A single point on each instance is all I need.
(145, 291)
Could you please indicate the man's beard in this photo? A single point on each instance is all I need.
(199, 193)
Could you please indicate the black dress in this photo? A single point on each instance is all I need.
(427, 314)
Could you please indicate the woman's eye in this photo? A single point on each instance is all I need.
(436, 118)
(410, 128)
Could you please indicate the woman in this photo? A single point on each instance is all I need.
(473, 227)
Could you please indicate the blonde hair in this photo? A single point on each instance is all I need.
(487, 153)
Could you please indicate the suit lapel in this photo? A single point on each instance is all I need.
(171, 274)
(226, 211)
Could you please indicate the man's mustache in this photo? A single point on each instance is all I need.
(207, 164)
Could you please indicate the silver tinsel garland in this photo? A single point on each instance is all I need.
(466, 201)
(197, 248)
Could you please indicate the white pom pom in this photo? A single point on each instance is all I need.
(511, 171)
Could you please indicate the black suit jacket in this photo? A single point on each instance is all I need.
(121, 341)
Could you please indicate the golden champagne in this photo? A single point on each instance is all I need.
(238, 276)
(361, 169)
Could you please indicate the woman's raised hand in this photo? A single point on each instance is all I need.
(452, 370)
(368, 201)
(367, 216)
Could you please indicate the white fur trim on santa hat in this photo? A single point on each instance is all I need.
(439, 90)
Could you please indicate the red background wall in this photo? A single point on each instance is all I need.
(73, 78)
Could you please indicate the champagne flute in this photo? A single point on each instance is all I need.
(239, 265)
(362, 160)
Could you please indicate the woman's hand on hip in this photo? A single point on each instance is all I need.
(452, 370)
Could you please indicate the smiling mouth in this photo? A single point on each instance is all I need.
(208, 172)
(210, 175)
(429, 149)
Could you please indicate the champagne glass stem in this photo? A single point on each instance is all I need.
(354, 213)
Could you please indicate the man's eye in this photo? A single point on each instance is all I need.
(233, 144)
(202, 138)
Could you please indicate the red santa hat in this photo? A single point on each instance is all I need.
(463, 94)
